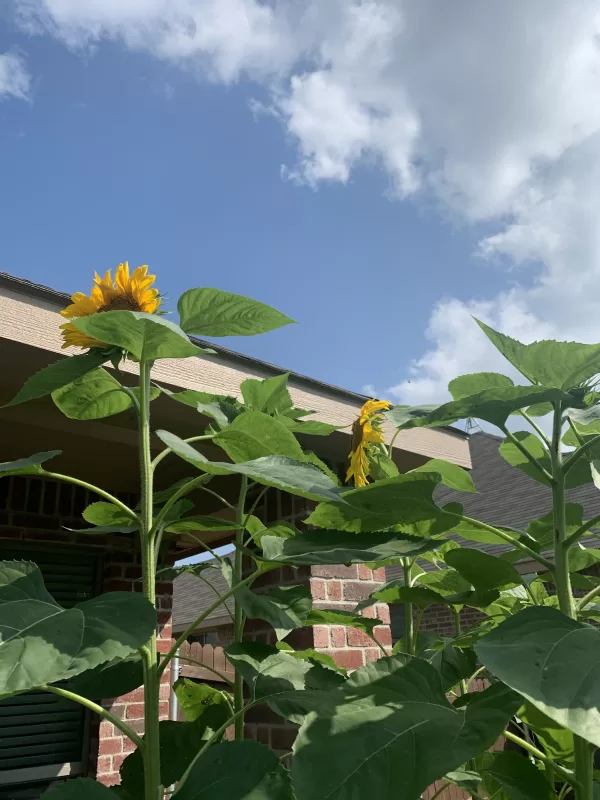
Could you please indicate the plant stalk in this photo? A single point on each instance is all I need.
(152, 783)
(584, 766)
(238, 614)
(410, 645)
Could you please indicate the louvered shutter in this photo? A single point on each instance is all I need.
(39, 732)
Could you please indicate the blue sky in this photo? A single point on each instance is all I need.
(411, 203)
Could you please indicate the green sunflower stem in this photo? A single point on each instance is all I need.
(238, 614)
(153, 789)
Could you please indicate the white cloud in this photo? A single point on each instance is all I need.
(492, 109)
(14, 78)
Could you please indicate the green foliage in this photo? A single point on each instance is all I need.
(482, 570)
(111, 679)
(517, 776)
(271, 396)
(49, 643)
(254, 435)
(385, 713)
(199, 700)
(28, 466)
(467, 385)
(337, 547)
(405, 502)
(565, 689)
(214, 313)
(57, 375)
(451, 475)
(95, 395)
(240, 770)
(579, 475)
(284, 607)
(147, 337)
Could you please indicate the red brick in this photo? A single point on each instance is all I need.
(369, 612)
(119, 586)
(109, 779)
(164, 691)
(164, 645)
(373, 654)
(108, 730)
(104, 764)
(118, 760)
(383, 613)
(355, 590)
(164, 588)
(136, 725)
(379, 574)
(109, 747)
(321, 635)
(358, 638)
(349, 659)
(128, 745)
(338, 571)
(136, 696)
(317, 588)
(365, 573)
(163, 710)
(338, 637)
(383, 634)
(135, 711)
(334, 590)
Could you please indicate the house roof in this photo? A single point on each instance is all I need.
(505, 496)
(192, 594)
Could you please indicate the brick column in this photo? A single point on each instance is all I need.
(336, 587)
(122, 573)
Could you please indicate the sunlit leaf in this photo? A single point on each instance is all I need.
(28, 466)
(466, 385)
(212, 312)
(146, 336)
(285, 608)
(93, 396)
(349, 619)
(338, 547)
(270, 395)
(390, 713)
(102, 513)
(451, 475)
(554, 662)
(201, 700)
(256, 435)
(59, 374)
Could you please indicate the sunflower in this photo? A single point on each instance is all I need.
(127, 293)
(366, 432)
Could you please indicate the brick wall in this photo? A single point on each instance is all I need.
(34, 514)
(336, 587)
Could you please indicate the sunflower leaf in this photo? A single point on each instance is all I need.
(28, 466)
(212, 312)
(57, 375)
(146, 336)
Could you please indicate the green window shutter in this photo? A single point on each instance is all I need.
(39, 730)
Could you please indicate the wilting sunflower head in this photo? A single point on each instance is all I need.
(127, 293)
(367, 433)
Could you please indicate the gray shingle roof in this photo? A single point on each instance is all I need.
(191, 595)
(505, 496)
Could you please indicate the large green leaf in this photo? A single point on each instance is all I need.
(310, 427)
(236, 771)
(28, 466)
(146, 336)
(41, 642)
(93, 396)
(517, 776)
(111, 679)
(554, 662)
(285, 607)
(270, 395)
(587, 420)
(577, 475)
(295, 477)
(559, 365)
(451, 475)
(556, 740)
(338, 547)
(476, 531)
(290, 686)
(542, 530)
(482, 570)
(256, 435)
(389, 732)
(454, 664)
(102, 513)
(404, 501)
(395, 592)
(491, 405)
(191, 397)
(201, 523)
(466, 385)
(212, 312)
(179, 744)
(57, 375)
(79, 788)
